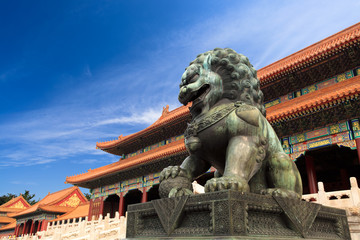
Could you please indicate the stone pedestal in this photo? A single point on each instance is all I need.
(234, 215)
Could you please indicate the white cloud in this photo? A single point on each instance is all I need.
(87, 71)
(147, 117)
(48, 135)
(17, 182)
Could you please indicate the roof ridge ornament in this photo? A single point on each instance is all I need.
(165, 111)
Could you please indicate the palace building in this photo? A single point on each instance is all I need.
(35, 218)
(7, 223)
(312, 101)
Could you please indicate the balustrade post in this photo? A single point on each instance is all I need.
(355, 192)
(82, 226)
(92, 232)
(106, 221)
(322, 199)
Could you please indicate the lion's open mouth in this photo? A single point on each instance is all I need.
(200, 94)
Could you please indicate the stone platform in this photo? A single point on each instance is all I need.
(234, 215)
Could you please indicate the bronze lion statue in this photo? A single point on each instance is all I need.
(229, 131)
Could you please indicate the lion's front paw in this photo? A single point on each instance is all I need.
(279, 192)
(223, 183)
(178, 192)
(172, 171)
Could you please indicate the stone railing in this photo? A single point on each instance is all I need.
(340, 199)
(347, 199)
(115, 228)
(102, 228)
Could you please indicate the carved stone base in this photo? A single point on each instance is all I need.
(235, 215)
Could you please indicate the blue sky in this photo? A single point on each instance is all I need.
(73, 73)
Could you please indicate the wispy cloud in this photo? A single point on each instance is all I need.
(17, 182)
(44, 136)
(87, 71)
(147, 117)
(5, 75)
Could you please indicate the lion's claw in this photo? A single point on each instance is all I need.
(278, 192)
(172, 171)
(223, 183)
(178, 192)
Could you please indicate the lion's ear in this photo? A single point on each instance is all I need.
(207, 62)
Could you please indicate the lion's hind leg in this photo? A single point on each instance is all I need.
(283, 177)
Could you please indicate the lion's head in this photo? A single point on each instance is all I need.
(218, 74)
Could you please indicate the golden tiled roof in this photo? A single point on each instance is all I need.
(164, 118)
(6, 219)
(157, 153)
(15, 205)
(81, 211)
(9, 226)
(323, 97)
(52, 202)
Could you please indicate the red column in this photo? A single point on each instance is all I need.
(121, 205)
(44, 225)
(144, 195)
(39, 226)
(16, 229)
(32, 227)
(90, 209)
(309, 162)
(23, 230)
(357, 140)
(101, 206)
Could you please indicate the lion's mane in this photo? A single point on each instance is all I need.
(239, 78)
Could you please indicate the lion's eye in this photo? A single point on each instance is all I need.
(193, 78)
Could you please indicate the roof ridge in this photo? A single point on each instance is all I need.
(310, 50)
(67, 193)
(60, 191)
(169, 116)
(13, 200)
(173, 147)
(315, 98)
(64, 216)
(43, 204)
